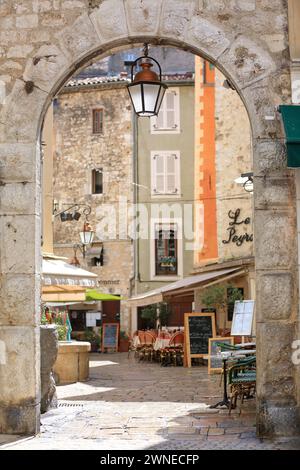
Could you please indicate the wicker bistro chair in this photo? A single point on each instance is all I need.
(146, 352)
(242, 380)
(173, 354)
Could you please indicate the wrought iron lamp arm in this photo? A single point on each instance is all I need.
(86, 211)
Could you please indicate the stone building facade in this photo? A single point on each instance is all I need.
(224, 214)
(42, 45)
(80, 151)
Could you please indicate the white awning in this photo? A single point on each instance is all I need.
(58, 272)
(188, 284)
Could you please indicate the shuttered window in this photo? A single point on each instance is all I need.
(98, 121)
(168, 119)
(165, 174)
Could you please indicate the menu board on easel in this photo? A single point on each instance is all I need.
(242, 320)
(198, 328)
(110, 336)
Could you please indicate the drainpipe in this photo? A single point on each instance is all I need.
(135, 195)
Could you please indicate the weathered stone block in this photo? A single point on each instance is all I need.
(275, 42)
(27, 21)
(49, 348)
(45, 68)
(20, 300)
(20, 116)
(78, 39)
(208, 37)
(246, 5)
(175, 17)
(277, 420)
(18, 162)
(276, 295)
(262, 99)
(143, 15)
(247, 61)
(273, 192)
(20, 374)
(20, 419)
(19, 51)
(275, 240)
(19, 198)
(109, 20)
(20, 244)
(275, 369)
(270, 157)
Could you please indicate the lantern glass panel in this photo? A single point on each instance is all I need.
(87, 237)
(135, 92)
(151, 93)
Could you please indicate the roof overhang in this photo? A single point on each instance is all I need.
(185, 286)
(291, 122)
(56, 272)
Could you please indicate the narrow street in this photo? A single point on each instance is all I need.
(131, 405)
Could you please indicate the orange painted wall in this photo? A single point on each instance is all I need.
(205, 158)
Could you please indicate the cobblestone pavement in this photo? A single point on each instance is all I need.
(130, 405)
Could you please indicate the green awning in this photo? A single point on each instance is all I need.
(291, 121)
(93, 294)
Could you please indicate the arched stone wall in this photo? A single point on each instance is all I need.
(42, 43)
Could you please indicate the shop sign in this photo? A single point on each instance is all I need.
(234, 235)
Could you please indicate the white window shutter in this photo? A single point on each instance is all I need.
(168, 119)
(170, 174)
(158, 172)
(165, 174)
(160, 119)
(170, 110)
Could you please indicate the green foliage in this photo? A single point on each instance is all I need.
(149, 313)
(62, 332)
(124, 335)
(216, 296)
(93, 337)
(164, 312)
(44, 320)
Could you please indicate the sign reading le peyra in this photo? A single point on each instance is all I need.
(234, 226)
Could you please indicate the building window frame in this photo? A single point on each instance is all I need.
(97, 121)
(177, 224)
(176, 193)
(163, 128)
(94, 173)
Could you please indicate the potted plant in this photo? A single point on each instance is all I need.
(124, 342)
(94, 338)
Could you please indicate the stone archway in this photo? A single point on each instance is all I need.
(42, 46)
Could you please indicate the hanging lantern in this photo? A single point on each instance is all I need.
(146, 89)
(87, 235)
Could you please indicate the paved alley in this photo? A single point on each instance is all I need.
(131, 405)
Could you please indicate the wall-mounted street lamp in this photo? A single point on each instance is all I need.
(86, 237)
(72, 212)
(146, 89)
(246, 180)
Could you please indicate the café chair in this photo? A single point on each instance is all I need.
(242, 380)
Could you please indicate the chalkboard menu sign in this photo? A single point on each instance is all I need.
(110, 336)
(215, 363)
(198, 328)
